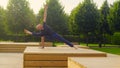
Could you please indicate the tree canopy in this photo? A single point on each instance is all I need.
(3, 26)
(72, 23)
(56, 17)
(87, 17)
(114, 16)
(19, 16)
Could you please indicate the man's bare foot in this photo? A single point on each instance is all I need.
(75, 47)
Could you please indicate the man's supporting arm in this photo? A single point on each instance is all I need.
(44, 20)
(42, 41)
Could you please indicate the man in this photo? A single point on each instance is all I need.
(46, 31)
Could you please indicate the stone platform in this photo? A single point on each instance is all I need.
(55, 57)
(99, 62)
(11, 47)
(79, 46)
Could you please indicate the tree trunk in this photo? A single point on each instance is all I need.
(104, 41)
(79, 40)
(87, 38)
(100, 44)
(100, 40)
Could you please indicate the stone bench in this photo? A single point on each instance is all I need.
(79, 46)
(19, 47)
(55, 57)
(98, 62)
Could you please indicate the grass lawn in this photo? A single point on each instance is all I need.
(83, 44)
(109, 50)
(112, 50)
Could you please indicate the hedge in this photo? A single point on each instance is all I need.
(116, 38)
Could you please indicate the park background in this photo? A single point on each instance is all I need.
(87, 23)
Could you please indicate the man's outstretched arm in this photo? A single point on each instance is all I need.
(27, 32)
(32, 33)
(45, 13)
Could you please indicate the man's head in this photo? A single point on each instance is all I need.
(39, 27)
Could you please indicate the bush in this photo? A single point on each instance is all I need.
(73, 38)
(116, 38)
(108, 39)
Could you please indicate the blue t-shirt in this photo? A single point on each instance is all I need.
(47, 31)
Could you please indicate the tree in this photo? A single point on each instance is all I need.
(2, 22)
(56, 17)
(104, 25)
(19, 16)
(72, 24)
(87, 18)
(114, 16)
(40, 16)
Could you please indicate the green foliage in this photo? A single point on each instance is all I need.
(72, 38)
(87, 17)
(3, 21)
(116, 38)
(107, 38)
(72, 24)
(109, 50)
(19, 16)
(40, 16)
(114, 16)
(56, 17)
(103, 27)
(104, 12)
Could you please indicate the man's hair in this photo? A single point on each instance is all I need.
(39, 26)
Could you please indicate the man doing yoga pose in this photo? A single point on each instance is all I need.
(46, 31)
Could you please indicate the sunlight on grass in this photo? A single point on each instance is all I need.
(97, 44)
(109, 50)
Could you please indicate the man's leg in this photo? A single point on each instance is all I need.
(58, 37)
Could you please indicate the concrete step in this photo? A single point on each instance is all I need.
(45, 67)
(55, 56)
(18, 47)
(99, 62)
(79, 46)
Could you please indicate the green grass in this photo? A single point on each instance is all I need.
(59, 43)
(109, 50)
(112, 50)
(97, 44)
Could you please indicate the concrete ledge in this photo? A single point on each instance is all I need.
(45, 67)
(79, 46)
(55, 56)
(104, 62)
(18, 47)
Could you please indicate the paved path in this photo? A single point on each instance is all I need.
(11, 60)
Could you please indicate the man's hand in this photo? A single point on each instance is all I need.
(45, 6)
(27, 32)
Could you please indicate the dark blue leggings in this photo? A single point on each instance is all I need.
(58, 37)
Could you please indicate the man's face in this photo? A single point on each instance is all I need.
(39, 27)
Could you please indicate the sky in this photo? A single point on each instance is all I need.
(67, 4)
